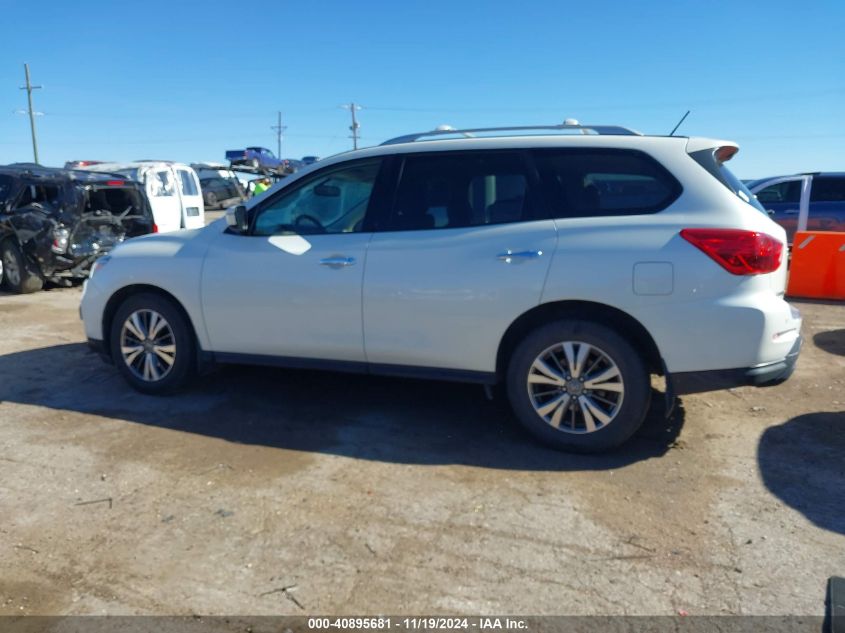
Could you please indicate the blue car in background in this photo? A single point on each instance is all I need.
(804, 202)
(259, 159)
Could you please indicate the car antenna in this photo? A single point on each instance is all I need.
(675, 129)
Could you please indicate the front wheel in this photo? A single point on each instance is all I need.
(152, 344)
(578, 386)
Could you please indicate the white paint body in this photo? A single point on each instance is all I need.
(442, 298)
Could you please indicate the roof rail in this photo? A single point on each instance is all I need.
(569, 124)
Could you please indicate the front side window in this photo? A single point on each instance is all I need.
(332, 201)
(787, 192)
(588, 182)
(189, 185)
(441, 191)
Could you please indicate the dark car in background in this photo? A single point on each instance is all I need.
(256, 158)
(55, 223)
(217, 191)
(804, 202)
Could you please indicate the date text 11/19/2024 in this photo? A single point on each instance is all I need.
(418, 623)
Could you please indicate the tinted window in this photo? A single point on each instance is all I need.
(189, 185)
(332, 201)
(5, 187)
(826, 189)
(580, 183)
(454, 190)
(787, 192)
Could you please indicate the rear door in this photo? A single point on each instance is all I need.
(787, 201)
(827, 204)
(464, 254)
(162, 192)
(193, 209)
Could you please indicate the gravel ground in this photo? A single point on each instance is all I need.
(288, 492)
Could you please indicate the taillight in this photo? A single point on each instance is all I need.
(155, 227)
(114, 183)
(737, 251)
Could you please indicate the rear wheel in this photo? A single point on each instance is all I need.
(152, 344)
(18, 274)
(578, 386)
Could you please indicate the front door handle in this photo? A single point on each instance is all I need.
(337, 262)
(510, 257)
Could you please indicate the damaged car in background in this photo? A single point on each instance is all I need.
(54, 223)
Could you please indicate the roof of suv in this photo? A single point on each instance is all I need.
(55, 173)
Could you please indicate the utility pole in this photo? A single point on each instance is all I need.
(29, 88)
(279, 129)
(355, 125)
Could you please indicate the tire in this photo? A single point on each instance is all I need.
(568, 411)
(19, 274)
(174, 340)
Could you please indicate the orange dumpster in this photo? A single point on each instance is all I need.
(817, 269)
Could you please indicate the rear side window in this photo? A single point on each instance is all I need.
(443, 191)
(44, 194)
(189, 185)
(584, 183)
(826, 189)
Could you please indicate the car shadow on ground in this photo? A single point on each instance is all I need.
(832, 341)
(802, 463)
(366, 417)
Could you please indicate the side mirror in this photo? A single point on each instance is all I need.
(236, 218)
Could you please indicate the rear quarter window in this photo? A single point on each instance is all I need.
(599, 182)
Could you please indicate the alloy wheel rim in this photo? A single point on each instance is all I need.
(575, 387)
(10, 269)
(147, 345)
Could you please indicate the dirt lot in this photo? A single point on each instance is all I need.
(288, 492)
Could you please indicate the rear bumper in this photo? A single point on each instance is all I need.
(766, 375)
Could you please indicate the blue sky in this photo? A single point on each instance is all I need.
(186, 80)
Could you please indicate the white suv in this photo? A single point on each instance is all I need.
(570, 267)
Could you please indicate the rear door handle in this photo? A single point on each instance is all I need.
(337, 262)
(510, 257)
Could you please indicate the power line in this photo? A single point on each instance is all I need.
(29, 88)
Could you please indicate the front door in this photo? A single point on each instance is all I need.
(786, 200)
(466, 253)
(292, 286)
